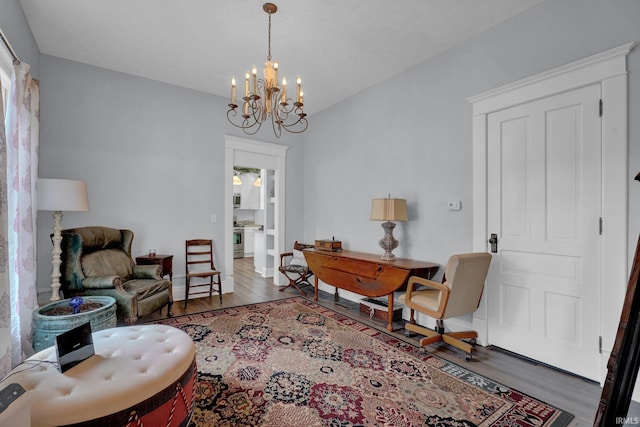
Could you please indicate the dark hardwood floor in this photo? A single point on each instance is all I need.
(568, 392)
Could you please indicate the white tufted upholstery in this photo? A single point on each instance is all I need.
(131, 365)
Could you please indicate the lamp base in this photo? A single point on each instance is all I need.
(388, 256)
(388, 242)
(55, 261)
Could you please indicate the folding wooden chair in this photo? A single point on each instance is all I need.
(294, 267)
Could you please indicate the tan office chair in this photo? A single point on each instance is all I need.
(294, 267)
(458, 294)
(199, 265)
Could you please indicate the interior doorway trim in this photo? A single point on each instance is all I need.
(609, 69)
(266, 155)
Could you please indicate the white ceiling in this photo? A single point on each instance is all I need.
(338, 47)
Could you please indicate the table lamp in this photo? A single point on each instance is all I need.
(59, 195)
(388, 210)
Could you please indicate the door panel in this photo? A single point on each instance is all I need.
(544, 202)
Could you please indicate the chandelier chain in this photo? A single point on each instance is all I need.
(269, 43)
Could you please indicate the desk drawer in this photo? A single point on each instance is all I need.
(352, 266)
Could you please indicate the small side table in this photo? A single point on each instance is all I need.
(166, 261)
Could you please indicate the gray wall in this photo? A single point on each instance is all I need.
(411, 135)
(138, 143)
(15, 28)
(152, 155)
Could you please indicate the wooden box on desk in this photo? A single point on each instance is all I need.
(377, 308)
(328, 245)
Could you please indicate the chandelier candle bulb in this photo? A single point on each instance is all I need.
(283, 100)
(246, 85)
(254, 71)
(298, 84)
(233, 91)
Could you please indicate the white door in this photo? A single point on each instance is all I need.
(544, 204)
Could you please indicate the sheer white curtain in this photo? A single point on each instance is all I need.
(22, 128)
(5, 300)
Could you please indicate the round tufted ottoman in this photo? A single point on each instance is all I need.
(140, 376)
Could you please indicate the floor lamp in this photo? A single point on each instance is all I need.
(59, 195)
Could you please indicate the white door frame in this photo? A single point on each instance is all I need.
(609, 69)
(275, 156)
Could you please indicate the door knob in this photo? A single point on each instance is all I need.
(494, 243)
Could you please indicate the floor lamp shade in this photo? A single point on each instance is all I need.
(62, 195)
(388, 210)
(59, 195)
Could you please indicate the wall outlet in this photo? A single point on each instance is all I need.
(454, 205)
(213, 218)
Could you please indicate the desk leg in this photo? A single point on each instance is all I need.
(390, 313)
(315, 288)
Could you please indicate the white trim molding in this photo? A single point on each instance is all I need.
(609, 69)
(264, 155)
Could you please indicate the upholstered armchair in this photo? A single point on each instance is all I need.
(97, 261)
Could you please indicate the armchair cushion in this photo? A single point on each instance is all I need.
(147, 271)
(107, 262)
(142, 288)
(101, 282)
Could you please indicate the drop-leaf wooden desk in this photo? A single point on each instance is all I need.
(365, 274)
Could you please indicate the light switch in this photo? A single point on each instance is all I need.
(213, 218)
(454, 205)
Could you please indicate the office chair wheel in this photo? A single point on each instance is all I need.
(468, 357)
(473, 342)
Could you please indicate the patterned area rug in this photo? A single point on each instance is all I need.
(295, 363)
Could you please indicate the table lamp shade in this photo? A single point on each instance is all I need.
(62, 195)
(388, 209)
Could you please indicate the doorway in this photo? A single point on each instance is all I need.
(607, 72)
(272, 159)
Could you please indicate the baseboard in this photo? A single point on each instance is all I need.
(265, 272)
(179, 290)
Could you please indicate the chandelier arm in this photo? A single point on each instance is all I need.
(247, 125)
(277, 129)
(244, 125)
(256, 110)
(301, 121)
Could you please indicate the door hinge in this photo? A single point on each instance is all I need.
(600, 344)
(600, 226)
(601, 107)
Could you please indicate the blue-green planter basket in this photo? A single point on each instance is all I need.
(46, 328)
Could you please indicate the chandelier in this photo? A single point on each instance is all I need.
(265, 101)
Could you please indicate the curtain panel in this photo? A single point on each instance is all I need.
(5, 300)
(22, 129)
